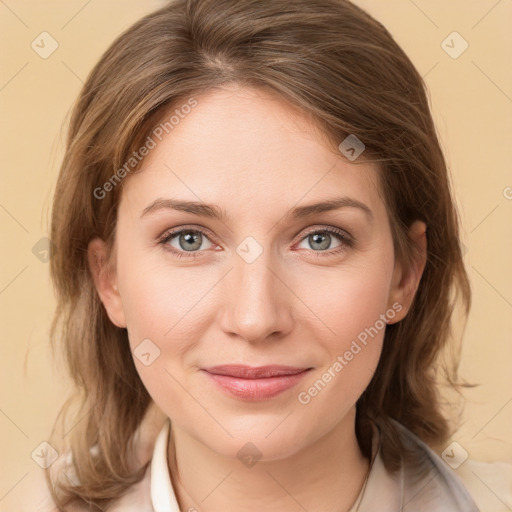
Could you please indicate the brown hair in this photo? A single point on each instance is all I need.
(343, 69)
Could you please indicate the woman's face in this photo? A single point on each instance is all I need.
(265, 281)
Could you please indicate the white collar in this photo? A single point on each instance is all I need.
(162, 493)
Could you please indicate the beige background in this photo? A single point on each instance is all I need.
(472, 103)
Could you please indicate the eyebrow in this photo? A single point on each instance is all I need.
(213, 211)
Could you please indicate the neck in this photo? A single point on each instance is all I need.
(326, 475)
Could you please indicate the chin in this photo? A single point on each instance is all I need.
(266, 438)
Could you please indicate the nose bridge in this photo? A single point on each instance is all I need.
(257, 306)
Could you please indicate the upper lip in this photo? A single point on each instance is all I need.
(254, 372)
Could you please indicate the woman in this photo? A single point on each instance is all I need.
(256, 241)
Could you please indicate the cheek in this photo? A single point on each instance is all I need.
(165, 305)
(157, 298)
(159, 319)
(350, 299)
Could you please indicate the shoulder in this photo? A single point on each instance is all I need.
(490, 483)
(428, 483)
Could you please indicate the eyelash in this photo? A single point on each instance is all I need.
(347, 240)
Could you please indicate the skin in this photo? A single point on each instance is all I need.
(256, 157)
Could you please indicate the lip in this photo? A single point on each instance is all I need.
(255, 382)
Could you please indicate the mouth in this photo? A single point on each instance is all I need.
(255, 383)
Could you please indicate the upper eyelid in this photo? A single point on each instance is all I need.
(171, 232)
(329, 229)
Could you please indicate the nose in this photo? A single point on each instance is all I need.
(258, 302)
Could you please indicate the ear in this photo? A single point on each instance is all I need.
(105, 281)
(405, 281)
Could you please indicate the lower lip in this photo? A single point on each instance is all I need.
(256, 389)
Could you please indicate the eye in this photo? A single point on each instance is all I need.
(183, 241)
(188, 242)
(321, 241)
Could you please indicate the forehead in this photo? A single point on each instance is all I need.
(248, 148)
